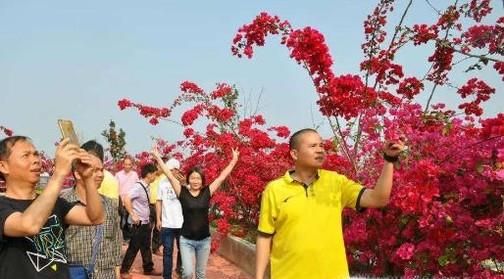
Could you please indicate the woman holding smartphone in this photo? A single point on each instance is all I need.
(195, 200)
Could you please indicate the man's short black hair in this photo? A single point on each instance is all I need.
(6, 147)
(294, 139)
(147, 168)
(94, 148)
(91, 147)
(7, 143)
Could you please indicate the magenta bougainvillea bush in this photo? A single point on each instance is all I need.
(445, 217)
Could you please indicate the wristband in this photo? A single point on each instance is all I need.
(390, 159)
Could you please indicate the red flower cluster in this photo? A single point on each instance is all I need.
(281, 131)
(482, 92)
(153, 113)
(388, 98)
(410, 87)
(386, 72)
(190, 87)
(424, 33)
(164, 148)
(374, 28)
(221, 115)
(345, 96)
(420, 189)
(255, 33)
(191, 115)
(448, 18)
(190, 92)
(124, 104)
(499, 67)
(222, 90)
(308, 48)
(442, 63)
(188, 132)
(481, 36)
(256, 137)
(493, 127)
(406, 251)
(478, 9)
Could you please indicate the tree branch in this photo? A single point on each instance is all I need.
(480, 57)
(432, 6)
(435, 84)
(346, 150)
(397, 29)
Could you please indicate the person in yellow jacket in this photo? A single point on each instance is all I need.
(110, 186)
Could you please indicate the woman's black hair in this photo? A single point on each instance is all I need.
(199, 171)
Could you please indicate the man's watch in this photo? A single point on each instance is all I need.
(390, 159)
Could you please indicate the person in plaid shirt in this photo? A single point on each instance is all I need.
(79, 239)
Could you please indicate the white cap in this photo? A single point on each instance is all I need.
(173, 164)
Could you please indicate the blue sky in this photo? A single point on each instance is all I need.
(76, 59)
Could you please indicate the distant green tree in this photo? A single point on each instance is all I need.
(116, 141)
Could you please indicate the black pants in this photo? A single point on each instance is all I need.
(140, 240)
(156, 239)
(156, 234)
(123, 213)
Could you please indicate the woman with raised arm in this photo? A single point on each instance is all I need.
(195, 200)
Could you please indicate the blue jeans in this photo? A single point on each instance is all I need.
(167, 237)
(194, 248)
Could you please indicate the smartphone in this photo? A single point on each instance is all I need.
(67, 131)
